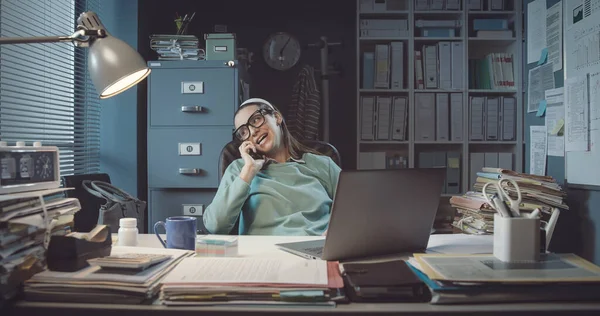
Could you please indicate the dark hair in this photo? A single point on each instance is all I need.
(294, 147)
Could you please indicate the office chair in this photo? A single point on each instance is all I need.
(230, 152)
(87, 218)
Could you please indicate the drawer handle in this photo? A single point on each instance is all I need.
(190, 171)
(191, 108)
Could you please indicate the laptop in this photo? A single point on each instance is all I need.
(377, 212)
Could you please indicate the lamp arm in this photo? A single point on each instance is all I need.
(80, 35)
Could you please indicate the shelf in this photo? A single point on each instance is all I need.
(438, 90)
(383, 142)
(491, 12)
(383, 90)
(457, 12)
(495, 39)
(437, 39)
(492, 142)
(492, 91)
(386, 13)
(435, 142)
(370, 39)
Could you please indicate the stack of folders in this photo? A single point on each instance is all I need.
(476, 216)
(24, 225)
(468, 279)
(176, 47)
(251, 281)
(101, 283)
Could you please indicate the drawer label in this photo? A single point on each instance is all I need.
(192, 87)
(193, 209)
(190, 149)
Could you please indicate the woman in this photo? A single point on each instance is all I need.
(278, 186)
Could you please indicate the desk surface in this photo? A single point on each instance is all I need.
(264, 246)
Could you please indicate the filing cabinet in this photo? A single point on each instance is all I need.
(190, 119)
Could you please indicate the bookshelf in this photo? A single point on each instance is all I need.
(475, 45)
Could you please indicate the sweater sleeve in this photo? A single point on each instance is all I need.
(334, 176)
(222, 213)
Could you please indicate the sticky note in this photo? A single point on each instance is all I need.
(558, 127)
(453, 163)
(541, 108)
(543, 56)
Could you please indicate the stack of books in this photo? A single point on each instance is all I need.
(482, 278)
(475, 216)
(249, 281)
(25, 224)
(176, 47)
(107, 281)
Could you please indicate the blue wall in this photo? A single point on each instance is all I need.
(118, 129)
(576, 229)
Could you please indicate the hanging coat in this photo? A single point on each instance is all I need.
(305, 109)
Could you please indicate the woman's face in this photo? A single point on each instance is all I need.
(267, 138)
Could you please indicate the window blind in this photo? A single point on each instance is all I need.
(46, 93)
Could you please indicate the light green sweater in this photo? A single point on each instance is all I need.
(291, 198)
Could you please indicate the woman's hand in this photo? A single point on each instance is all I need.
(251, 165)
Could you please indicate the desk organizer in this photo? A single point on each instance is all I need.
(217, 246)
(69, 254)
(516, 238)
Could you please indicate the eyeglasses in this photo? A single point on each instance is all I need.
(256, 120)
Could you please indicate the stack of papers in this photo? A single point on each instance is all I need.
(476, 216)
(456, 279)
(23, 229)
(96, 284)
(247, 281)
(176, 47)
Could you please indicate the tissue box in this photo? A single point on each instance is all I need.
(217, 246)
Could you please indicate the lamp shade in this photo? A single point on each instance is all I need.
(114, 66)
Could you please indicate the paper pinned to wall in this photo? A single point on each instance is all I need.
(536, 31)
(539, 145)
(594, 110)
(555, 115)
(576, 114)
(554, 34)
(541, 78)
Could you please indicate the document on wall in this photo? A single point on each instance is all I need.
(555, 122)
(536, 31)
(554, 34)
(576, 114)
(594, 110)
(539, 143)
(575, 13)
(540, 79)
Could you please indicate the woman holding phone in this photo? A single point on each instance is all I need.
(278, 186)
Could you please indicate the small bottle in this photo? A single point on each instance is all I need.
(128, 232)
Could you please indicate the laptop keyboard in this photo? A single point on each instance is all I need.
(314, 250)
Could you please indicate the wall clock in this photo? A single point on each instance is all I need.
(282, 51)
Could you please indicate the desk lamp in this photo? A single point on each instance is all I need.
(114, 66)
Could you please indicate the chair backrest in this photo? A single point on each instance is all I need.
(230, 153)
(87, 218)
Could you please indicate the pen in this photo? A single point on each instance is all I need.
(500, 206)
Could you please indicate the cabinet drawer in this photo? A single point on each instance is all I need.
(185, 157)
(192, 97)
(188, 202)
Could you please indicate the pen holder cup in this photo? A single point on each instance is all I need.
(516, 238)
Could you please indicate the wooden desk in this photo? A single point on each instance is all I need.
(263, 246)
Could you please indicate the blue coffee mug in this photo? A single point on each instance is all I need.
(181, 232)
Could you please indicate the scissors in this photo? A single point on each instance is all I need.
(503, 197)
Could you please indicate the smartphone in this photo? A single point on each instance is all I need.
(255, 155)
